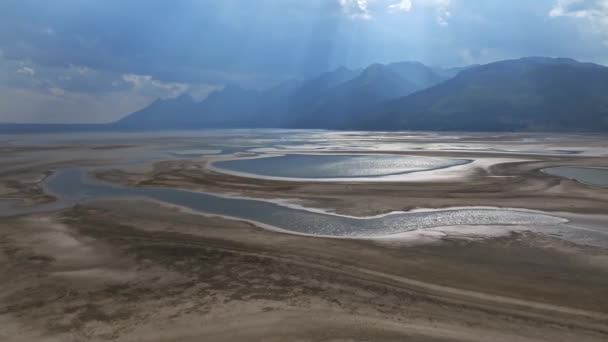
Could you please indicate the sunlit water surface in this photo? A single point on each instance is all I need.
(72, 186)
(588, 175)
(336, 166)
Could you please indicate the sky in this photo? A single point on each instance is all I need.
(87, 61)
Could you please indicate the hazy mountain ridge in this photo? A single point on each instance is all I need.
(348, 101)
(535, 93)
(334, 99)
(525, 94)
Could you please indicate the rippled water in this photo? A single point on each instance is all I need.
(71, 186)
(335, 166)
(587, 175)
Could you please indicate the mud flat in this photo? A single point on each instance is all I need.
(136, 270)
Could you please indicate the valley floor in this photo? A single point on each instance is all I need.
(134, 270)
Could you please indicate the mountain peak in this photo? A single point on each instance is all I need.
(408, 63)
(549, 60)
(375, 66)
(374, 70)
(535, 93)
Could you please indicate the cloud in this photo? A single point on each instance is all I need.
(57, 91)
(54, 106)
(593, 12)
(27, 71)
(49, 31)
(80, 70)
(31, 92)
(147, 85)
(368, 9)
(443, 9)
(403, 5)
(357, 9)
(71, 78)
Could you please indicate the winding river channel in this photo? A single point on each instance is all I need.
(73, 185)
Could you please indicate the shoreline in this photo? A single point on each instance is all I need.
(503, 183)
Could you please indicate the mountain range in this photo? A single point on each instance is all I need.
(539, 94)
(528, 94)
(335, 99)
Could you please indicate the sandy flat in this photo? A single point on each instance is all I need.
(164, 275)
(132, 270)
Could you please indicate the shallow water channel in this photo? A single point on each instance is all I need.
(72, 186)
(595, 176)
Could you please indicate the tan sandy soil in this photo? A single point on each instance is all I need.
(136, 271)
(139, 271)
